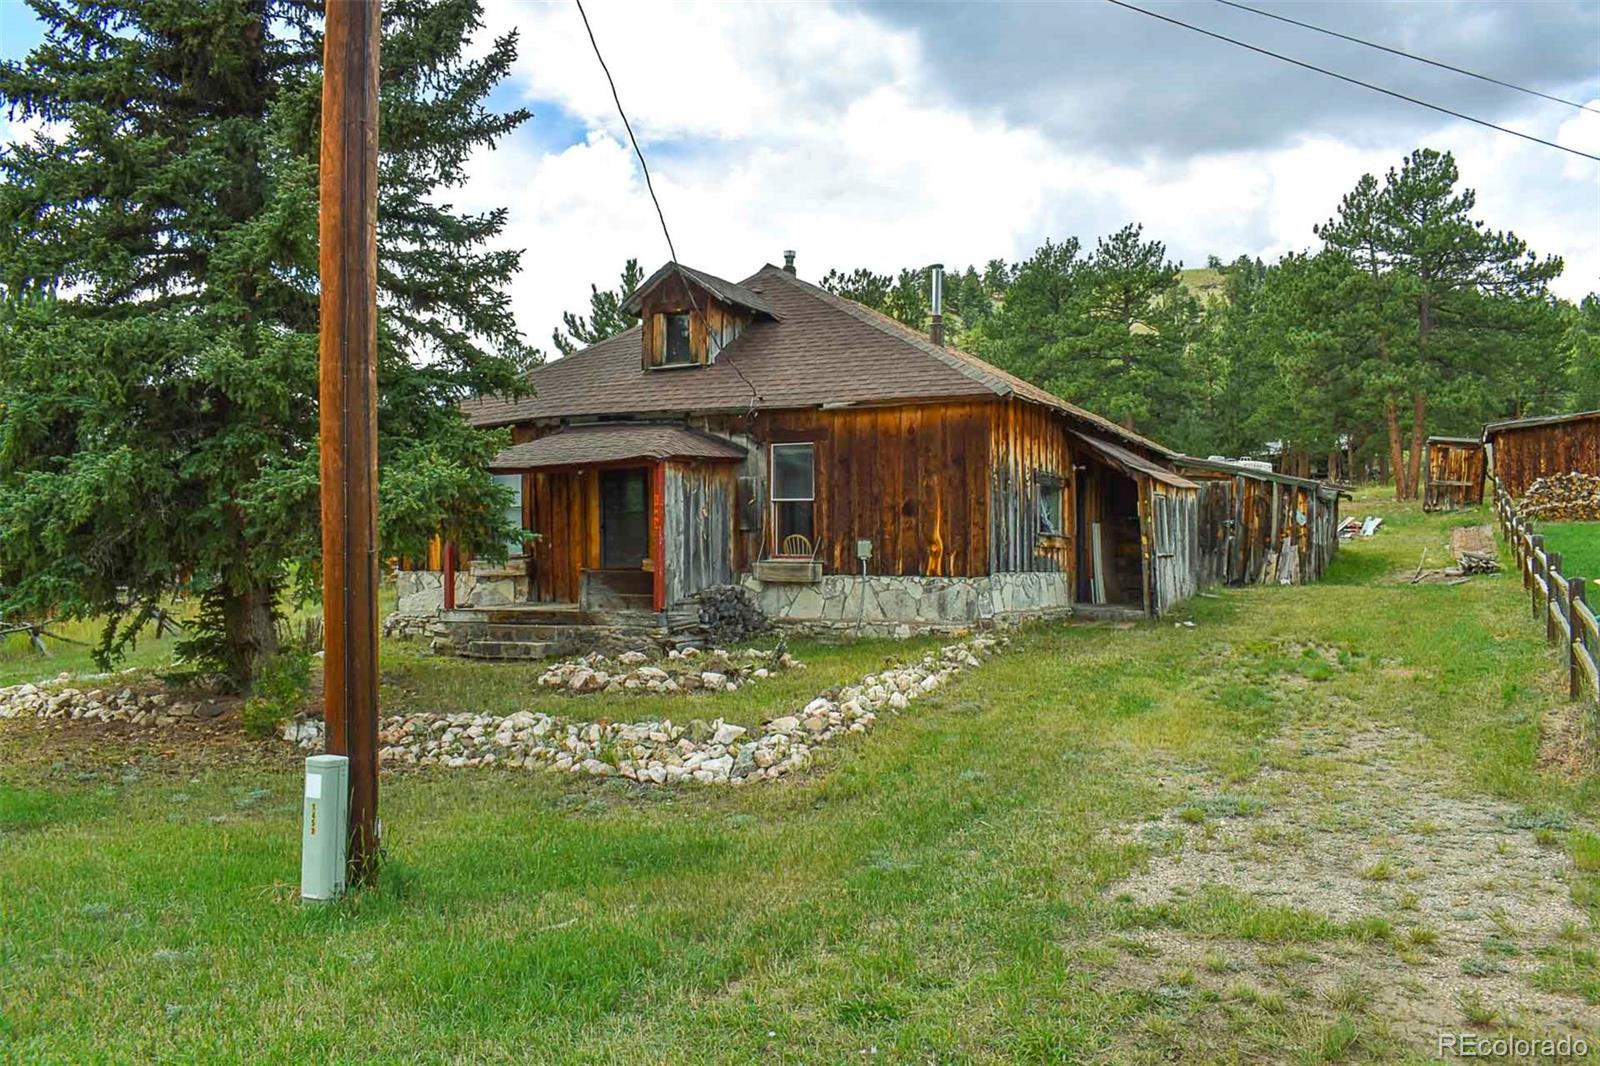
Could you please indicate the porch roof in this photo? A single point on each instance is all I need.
(1134, 464)
(615, 442)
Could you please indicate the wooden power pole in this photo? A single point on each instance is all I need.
(349, 412)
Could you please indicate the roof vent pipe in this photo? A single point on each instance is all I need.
(936, 323)
(788, 261)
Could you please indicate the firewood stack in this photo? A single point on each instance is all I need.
(1564, 498)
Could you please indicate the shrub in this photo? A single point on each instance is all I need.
(281, 686)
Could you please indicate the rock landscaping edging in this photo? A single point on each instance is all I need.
(660, 752)
(58, 699)
(686, 670)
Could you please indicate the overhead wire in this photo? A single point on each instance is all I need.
(1410, 55)
(1353, 81)
(678, 268)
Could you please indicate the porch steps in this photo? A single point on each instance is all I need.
(508, 649)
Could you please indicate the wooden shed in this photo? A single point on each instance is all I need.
(1258, 526)
(1523, 450)
(1454, 473)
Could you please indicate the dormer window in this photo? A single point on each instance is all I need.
(676, 334)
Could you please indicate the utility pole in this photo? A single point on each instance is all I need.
(349, 410)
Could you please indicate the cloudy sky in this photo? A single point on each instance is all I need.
(897, 134)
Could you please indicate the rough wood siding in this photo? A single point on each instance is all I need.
(1025, 442)
(1172, 573)
(1244, 520)
(698, 517)
(911, 479)
(1522, 455)
(1455, 475)
(712, 324)
(563, 507)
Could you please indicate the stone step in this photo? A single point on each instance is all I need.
(522, 632)
(508, 649)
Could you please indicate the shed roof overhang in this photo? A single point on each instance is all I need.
(610, 443)
(1135, 465)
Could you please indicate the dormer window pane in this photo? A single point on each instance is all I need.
(677, 339)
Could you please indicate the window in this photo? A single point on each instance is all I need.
(1163, 518)
(676, 351)
(513, 509)
(1051, 494)
(794, 491)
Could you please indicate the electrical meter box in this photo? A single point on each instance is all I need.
(325, 830)
(863, 549)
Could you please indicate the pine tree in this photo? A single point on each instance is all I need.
(606, 317)
(159, 307)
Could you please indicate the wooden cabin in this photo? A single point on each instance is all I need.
(1523, 450)
(843, 468)
(1257, 526)
(1453, 473)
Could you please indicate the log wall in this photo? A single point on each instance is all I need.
(1523, 454)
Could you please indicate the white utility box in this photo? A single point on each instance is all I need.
(325, 829)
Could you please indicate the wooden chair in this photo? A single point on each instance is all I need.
(796, 546)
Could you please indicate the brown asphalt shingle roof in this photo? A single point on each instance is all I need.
(823, 349)
(615, 442)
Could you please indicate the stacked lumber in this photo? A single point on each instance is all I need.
(1570, 497)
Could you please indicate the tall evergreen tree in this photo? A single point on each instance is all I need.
(606, 317)
(159, 310)
(1429, 267)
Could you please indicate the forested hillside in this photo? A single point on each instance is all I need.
(1408, 316)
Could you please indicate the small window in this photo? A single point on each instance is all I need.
(677, 351)
(513, 509)
(1163, 519)
(1051, 495)
(794, 491)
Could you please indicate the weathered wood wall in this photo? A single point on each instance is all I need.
(563, 507)
(698, 527)
(1454, 475)
(913, 480)
(1244, 523)
(1025, 442)
(712, 324)
(1524, 454)
(1173, 561)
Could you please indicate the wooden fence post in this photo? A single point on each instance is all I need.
(1552, 603)
(1575, 596)
(1535, 546)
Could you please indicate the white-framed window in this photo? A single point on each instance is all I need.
(513, 509)
(1052, 497)
(676, 350)
(794, 500)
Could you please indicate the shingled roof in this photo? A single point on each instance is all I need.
(611, 442)
(817, 349)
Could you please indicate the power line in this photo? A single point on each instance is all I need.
(1355, 81)
(629, 127)
(1409, 55)
(688, 285)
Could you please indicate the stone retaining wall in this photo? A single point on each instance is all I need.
(900, 606)
(421, 592)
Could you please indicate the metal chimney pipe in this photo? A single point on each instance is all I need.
(936, 323)
(788, 261)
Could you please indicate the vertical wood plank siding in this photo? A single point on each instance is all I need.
(1172, 575)
(1025, 442)
(1524, 454)
(564, 509)
(709, 319)
(910, 479)
(698, 519)
(1243, 520)
(1455, 475)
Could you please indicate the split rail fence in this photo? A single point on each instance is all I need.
(1559, 601)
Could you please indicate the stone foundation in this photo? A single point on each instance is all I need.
(421, 592)
(901, 606)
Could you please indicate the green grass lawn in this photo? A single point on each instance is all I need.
(945, 889)
(1579, 545)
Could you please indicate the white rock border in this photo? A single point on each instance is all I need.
(660, 752)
